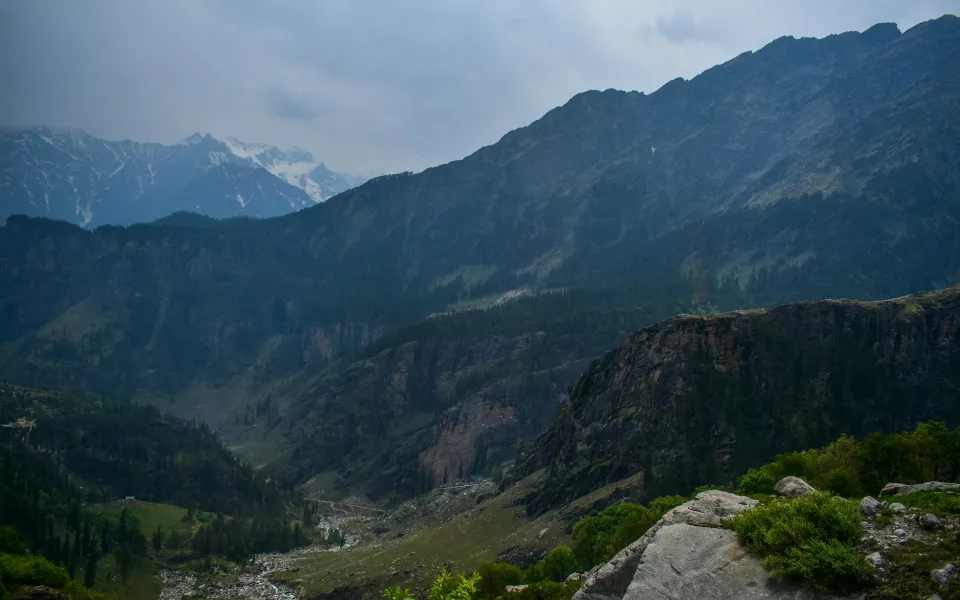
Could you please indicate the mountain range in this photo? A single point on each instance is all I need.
(424, 326)
(72, 176)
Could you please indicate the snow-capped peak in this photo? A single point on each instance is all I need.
(294, 166)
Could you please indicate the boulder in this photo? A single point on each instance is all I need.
(793, 487)
(515, 589)
(930, 486)
(869, 506)
(892, 488)
(896, 507)
(943, 576)
(929, 521)
(686, 556)
(875, 559)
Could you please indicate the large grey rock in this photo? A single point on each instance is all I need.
(685, 562)
(707, 508)
(686, 556)
(793, 487)
(929, 521)
(869, 506)
(943, 576)
(930, 486)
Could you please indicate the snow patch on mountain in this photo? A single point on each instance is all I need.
(293, 166)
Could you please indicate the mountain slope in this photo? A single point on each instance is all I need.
(805, 170)
(699, 399)
(75, 177)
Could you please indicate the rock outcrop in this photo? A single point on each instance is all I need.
(698, 400)
(930, 486)
(686, 556)
(793, 487)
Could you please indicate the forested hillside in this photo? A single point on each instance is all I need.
(66, 458)
(117, 449)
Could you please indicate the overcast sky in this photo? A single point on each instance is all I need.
(373, 86)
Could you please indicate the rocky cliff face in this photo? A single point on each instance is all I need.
(699, 399)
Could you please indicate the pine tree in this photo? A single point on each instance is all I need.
(90, 572)
(157, 539)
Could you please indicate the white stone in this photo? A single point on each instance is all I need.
(793, 487)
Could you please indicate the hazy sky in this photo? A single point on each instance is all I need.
(373, 86)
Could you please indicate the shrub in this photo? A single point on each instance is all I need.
(496, 576)
(534, 574)
(445, 587)
(547, 590)
(559, 563)
(10, 541)
(812, 538)
(593, 536)
(31, 570)
(598, 537)
(757, 481)
(852, 468)
(660, 506)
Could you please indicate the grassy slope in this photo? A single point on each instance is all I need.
(460, 544)
(150, 514)
(143, 584)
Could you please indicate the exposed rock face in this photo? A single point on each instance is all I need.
(685, 556)
(695, 400)
(902, 488)
(793, 487)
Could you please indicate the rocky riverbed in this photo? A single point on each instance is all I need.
(225, 581)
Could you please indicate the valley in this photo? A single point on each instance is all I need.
(256, 378)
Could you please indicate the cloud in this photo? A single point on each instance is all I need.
(683, 27)
(372, 85)
(285, 105)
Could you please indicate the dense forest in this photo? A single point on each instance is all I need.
(67, 457)
(119, 449)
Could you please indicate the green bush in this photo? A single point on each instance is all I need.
(852, 468)
(592, 538)
(10, 541)
(812, 538)
(757, 481)
(17, 570)
(496, 576)
(534, 573)
(547, 590)
(559, 563)
(597, 538)
(445, 587)
(660, 506)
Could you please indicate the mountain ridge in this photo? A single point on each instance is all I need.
(91, 181)
(781, 175)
